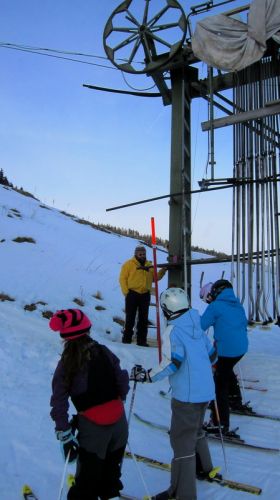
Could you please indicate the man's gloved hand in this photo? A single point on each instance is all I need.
(139, 374)
(68, 442)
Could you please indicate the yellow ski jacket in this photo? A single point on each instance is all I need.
(139, 278)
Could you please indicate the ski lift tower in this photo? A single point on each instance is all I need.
(153, 37)
(148, 37)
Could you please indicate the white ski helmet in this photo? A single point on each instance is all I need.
(174, 301)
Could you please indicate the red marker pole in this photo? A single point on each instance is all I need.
(156, 286)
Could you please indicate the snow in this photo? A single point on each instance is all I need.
(72, 260)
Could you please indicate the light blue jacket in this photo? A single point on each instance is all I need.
(185, 359)
(228, 318)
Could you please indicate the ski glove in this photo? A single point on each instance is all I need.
(68, 443)
(139, 374)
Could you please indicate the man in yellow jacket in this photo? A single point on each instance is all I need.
(136, 278)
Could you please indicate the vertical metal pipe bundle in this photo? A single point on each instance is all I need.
(256, 170)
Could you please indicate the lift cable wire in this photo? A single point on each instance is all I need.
(57, 51)
(10, 45)
(133, 88)
(37, 52)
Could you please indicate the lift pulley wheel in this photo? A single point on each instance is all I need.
(140, 36)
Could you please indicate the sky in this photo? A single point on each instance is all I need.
(85, 151)
(69, 260)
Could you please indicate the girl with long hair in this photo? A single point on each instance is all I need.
(90, 375)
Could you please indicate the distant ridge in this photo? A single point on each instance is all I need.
(131, 233)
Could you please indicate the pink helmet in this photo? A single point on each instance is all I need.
(204, 293)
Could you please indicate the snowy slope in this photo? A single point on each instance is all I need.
(70, 260)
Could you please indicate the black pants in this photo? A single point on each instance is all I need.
(136, 302)
(234, 390)
(99, 461)
(97, 478)
(224, 377)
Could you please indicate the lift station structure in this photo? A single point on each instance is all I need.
(155, 37)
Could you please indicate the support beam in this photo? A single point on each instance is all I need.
(227, 81)
(180, 179)
(254, 114)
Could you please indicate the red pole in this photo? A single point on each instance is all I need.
(156, 286)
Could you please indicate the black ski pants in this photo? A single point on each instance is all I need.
(97, 478)
(234, 389)
(136, 302)
(223, 378)
(98, 472)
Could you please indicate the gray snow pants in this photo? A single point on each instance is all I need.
(187, 439)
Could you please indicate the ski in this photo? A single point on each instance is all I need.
(241, 442)
(124, 496)
(148, 461)
(236, 485)
(167, 394)
(216, 479)
(28, 494)
(253, 388)
(249, 413)
(255, 414)
(248, 387)
(251, 380)
(215, 437)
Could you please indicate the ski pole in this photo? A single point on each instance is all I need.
(156, 287)
(132, 397)
(63, 477)
(242, 382)
(221, 434)
(130, 408)
(148, 497)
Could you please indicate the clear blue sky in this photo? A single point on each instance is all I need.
(84, 151)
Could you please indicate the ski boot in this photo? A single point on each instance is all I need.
(230, 433)
(240, 407)
(27, 493)
(210, 476)
(210, 427)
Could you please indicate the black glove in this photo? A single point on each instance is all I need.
(68, 442)
(139, 374)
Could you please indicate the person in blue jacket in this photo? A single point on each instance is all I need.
(227, 316)
(235, 397)
(186, 354)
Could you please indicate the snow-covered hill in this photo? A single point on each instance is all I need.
(59, 262)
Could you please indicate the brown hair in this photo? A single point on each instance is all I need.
(75, 356)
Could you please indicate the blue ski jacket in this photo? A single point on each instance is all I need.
(185, 360)
(228, 318)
